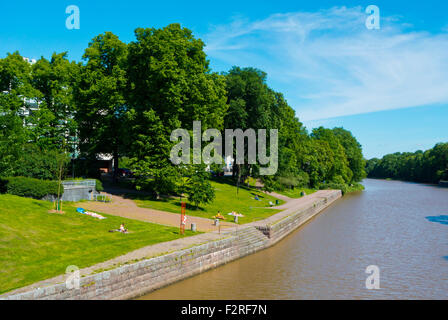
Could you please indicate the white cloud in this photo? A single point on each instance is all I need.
(328, 64)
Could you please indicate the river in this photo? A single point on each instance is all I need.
(400, 227)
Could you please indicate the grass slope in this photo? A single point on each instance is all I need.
(296, 192)
(227, 200)
(37, 245)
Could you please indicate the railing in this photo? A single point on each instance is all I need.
(77, 183)
(103, 197)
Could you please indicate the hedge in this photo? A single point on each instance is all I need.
(99, 185)
(29, 187)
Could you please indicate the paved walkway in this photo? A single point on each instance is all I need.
(127, 208)
(124, 207)
(292, 205)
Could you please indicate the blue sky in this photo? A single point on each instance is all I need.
(388, 86)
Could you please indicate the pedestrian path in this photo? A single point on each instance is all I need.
(127, 208)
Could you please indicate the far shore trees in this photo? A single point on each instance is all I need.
(429, 166)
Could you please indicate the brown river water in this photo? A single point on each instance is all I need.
(400, 227)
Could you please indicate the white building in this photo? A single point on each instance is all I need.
(228, 164)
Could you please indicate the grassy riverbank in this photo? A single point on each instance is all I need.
(227, 200)
(296, 192)
(38, 245)
(345, 188)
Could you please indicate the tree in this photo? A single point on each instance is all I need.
(318, 161)
(149, 149)
(15, 83)
(169, 73)
(340, 167)
(198, 187)
(430, 166)
(292, 141)
(40, 164)
(353, 151)
(52, 124)
(169, 86)
(252, 105)
(101, 105)
(15, 92)
(12, 139)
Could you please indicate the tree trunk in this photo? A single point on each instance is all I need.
(115, 177)
(239, 178)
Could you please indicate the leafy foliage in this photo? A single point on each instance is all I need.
(52, 125)
(198, 187)
(126, 99)
(40, 164)
(29, 187)
(99, 92)
(429, 166)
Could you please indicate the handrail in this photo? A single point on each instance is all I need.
(89, 183)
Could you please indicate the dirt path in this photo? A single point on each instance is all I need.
(123, 207)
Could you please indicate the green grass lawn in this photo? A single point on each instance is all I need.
(296, 192)
(37, 245)
(227, 200)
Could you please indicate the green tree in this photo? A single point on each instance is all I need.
(40, 164)
(430, 166)
(340, 168)
(15, 92)
(149, 149)
(252, 105)
(12, 139)
(52, 124)
(169, 86)
(101, 105)
(353, 151)
(318, 161)
(198, 187)
(169, 73)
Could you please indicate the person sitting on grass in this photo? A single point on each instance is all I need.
(123, 229)
(219, 216)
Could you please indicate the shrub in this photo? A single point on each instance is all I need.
(29, 187)
(39, 164)
(291, 182)
(99, 185)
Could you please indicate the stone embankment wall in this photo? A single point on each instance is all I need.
(141, 277)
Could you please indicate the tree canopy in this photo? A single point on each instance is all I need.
(430, 166)
(125, 99)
